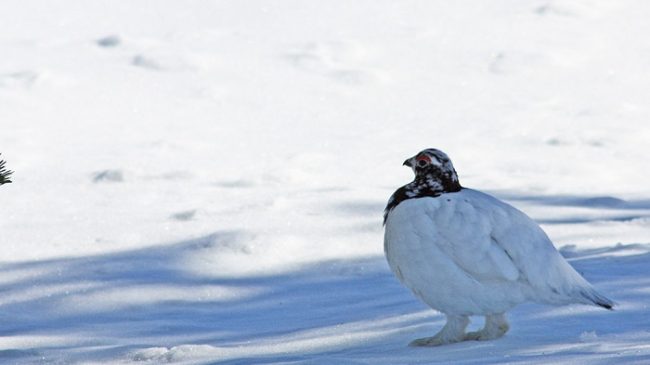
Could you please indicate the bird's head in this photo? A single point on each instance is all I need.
(433, 163)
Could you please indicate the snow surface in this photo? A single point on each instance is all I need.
(202, 182)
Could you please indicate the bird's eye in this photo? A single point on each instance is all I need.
(423, 160)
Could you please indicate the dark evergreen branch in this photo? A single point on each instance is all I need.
(5, 174)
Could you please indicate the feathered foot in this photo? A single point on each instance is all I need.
(495, 327)
(453, 331)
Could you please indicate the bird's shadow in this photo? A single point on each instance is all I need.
(79, 307)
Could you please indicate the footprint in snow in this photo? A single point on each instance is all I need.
(109, 41)
(184, 216)
(110, 176)
(234, 184)
(162, 60)
(339, 61)
(18, 80)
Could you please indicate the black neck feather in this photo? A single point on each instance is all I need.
(429, 184)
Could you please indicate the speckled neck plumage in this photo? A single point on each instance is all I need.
(426, 184)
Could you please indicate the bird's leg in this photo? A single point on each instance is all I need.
(453, 331)
(495, 327)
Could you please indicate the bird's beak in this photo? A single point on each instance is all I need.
(408, 163)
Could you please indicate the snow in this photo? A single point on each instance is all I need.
(203, 182)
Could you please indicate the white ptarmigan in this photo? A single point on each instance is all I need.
(466, 253)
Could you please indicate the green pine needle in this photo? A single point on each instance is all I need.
(5, 174)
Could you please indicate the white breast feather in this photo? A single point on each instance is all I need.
(483, 252)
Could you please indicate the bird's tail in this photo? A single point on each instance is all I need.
(565, 285)
(591, 296)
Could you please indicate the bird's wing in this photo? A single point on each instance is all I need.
(465, 233)
(491, 240)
